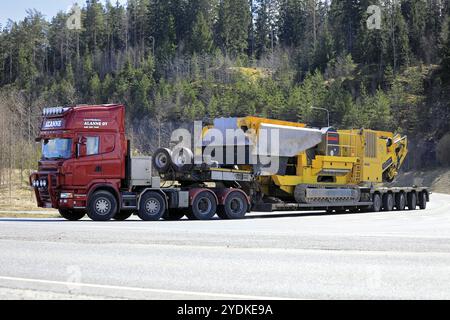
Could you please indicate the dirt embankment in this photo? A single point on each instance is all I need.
(438, 179)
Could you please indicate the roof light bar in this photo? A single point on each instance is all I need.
(56, 111)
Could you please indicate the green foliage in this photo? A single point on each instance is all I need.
(233, 21)
(183, 60)
(202, 37)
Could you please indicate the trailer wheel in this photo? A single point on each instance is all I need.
(400, 201)
(174, 214)
(71, 215)
(204, 207)
(152, 207)
(388, 202)
(162, 159)
(423, 200)
(123, 215)
(412, 201)
(102, 206)
(235, 207)
(183, 159)
(377, 203)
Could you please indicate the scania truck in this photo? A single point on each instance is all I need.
(87, 169)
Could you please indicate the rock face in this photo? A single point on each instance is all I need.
(437, 179)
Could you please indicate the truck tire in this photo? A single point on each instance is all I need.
(204, 207)
(235, 207)
(162, 160)
(412, 201)
(422, 200)
(377, 203)
(71, 215)
(388, 202)
(102, 206)
(183, 159)
(174, 214)
(152, 207)
(123, 215)
(400, 201)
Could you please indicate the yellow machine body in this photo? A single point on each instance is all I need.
(343, 158)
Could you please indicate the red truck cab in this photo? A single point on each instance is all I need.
(84, 149)
(86, 168)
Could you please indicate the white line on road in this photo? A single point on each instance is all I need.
(135, 289)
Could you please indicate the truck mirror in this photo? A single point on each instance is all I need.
(82, 141)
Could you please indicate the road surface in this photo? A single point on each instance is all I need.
(396, 255)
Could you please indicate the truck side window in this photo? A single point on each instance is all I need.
(92, 146)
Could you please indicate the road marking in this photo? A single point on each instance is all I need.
(136, 289)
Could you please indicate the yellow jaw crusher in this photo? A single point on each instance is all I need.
(329, 168)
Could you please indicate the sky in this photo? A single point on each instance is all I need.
(16, 9)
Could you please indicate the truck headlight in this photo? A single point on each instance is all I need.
(66, 195)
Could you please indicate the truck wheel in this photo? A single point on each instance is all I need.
(204, 207)
(71, 215)
(235, 207)
(422, 200)
(152, 207)
(123, 215)
(400, 201)
(388, 202)
(412, 201)
(174, 214)
(102, 206)
(377, 203)
(162, 160)
(183, 159)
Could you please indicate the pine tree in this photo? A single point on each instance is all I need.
(345, 17)
(264, 28)
(94, 25)
(292, 24)
(398, 52)
(202, 37)
(233, 25)
(162, 27)
(95, 89)
(446, 56)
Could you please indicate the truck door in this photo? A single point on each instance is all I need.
(112, 157)
(88, 166)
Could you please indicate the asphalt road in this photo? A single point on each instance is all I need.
(397, 255)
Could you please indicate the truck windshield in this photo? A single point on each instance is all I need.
(57, 149)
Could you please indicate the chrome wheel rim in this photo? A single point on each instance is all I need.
(102, 206)
(152, 206)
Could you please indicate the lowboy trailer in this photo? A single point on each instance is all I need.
(87, 169)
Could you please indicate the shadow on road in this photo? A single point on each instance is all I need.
(39, 220)
(279, 215)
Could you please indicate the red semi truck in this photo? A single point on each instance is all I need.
(87, 168)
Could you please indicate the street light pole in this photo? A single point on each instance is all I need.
(327, 111)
